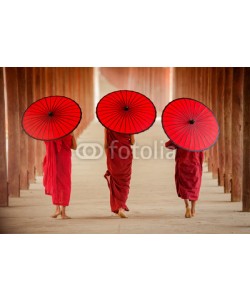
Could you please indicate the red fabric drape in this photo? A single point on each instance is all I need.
(119, 163)
(188, 172)
(57, 170)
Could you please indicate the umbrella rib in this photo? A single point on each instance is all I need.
(175, 125)
(206, 131)
(178, 112)
(42, 107)
(58, 125)
(63, 108)
(124, 100)
(41, 126)
(115, 121)
(48, 129)
(203, 111)
(53, 104)
(63, 121)
(61, 103)
(180, 117)
(33, 123)
(46, 104)
(136, 119)
(184, 132)
(185, 139)
(198, 133)
(185, 105)
(114, 99)
(122, 121)
(44, 128)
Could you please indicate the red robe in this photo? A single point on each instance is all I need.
(57, 170)
(119, 163)
(188, 172)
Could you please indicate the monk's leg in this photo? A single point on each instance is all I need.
(63, 213)
(188, 211)
(193, 202)
(57, 212)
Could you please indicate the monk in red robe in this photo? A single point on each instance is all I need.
(188, 174)
(119, 162)
(57, 172)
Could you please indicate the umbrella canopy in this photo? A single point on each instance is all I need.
(126, 111)
(190, 124)
(51, 118)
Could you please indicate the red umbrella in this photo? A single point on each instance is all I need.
(190, 124)
(126, 112)
(51, 118)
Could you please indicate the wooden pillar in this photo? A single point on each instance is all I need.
(189, 82)
(41, 143)
(201, 87)
(75, 79)
(31, 141)
(3, 159)
(185, 85)
(175, 83)
(179, 91)
(196, 85)
(49, 82)
(205, 99)
(68, 82)
(199, 84)
(228, 129)
(59, 81)
(209, 104)
(237, 134)
(24, 174)
(246, 142)
(38, 92)
(178, 83)
(220, 116)
(13, 132)
(214, 109)
(42, 92)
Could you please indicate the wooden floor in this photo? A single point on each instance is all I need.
(154, 206)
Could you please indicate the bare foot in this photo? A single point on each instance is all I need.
(63, 216)
(188, 213)
(56, 214)
(121, 213)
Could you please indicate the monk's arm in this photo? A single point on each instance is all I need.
(74, 144)
(170, 145)
(132, 139)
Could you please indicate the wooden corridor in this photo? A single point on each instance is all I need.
(154, 206)
(224, 90)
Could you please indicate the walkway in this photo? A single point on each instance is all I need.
(154, 206)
